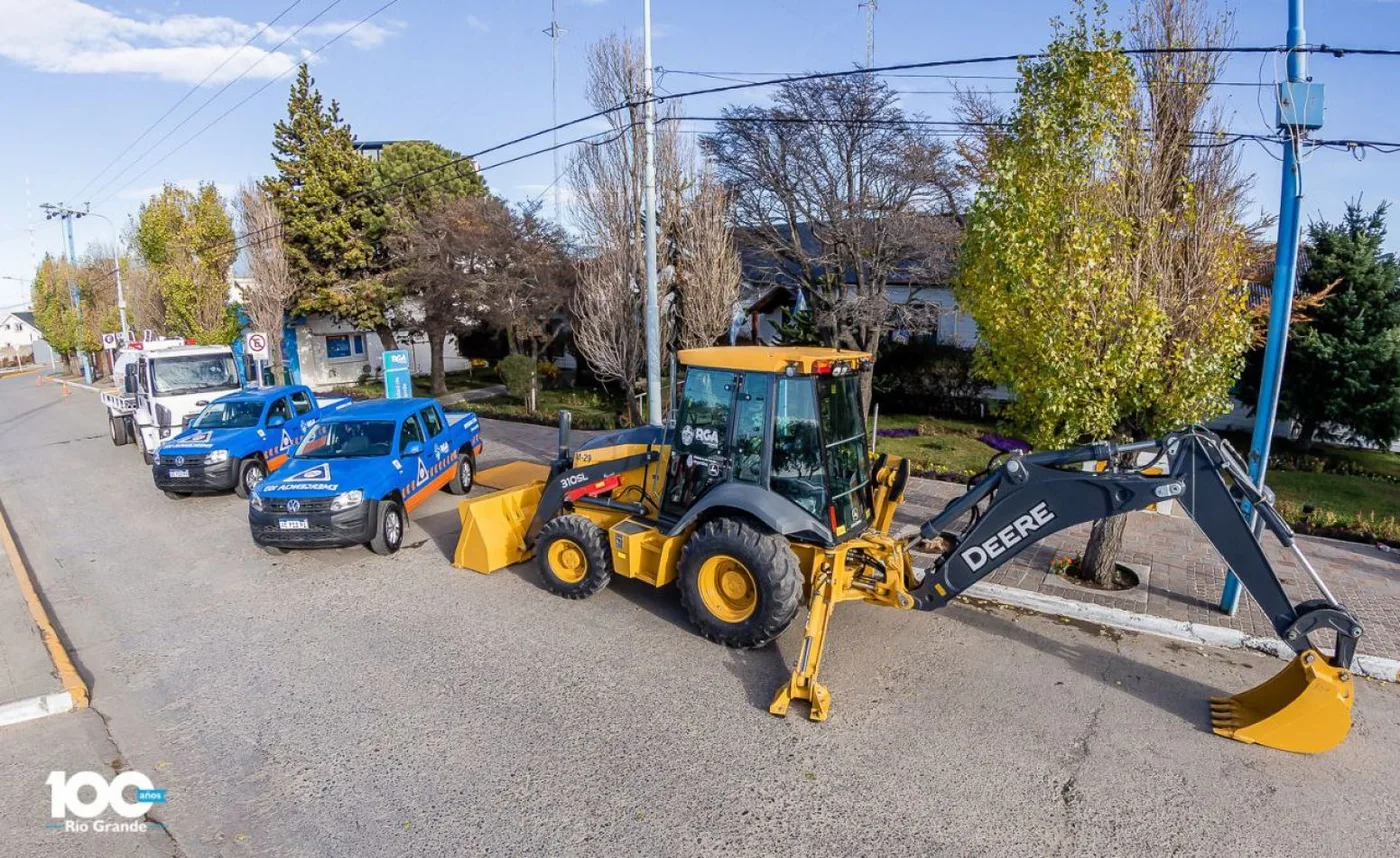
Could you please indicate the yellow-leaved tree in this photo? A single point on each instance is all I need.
(1105, 250)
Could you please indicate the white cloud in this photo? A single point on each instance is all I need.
(477, 24)
(73, 37)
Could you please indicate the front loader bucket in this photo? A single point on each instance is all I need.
(494, 526)
(1305, 709)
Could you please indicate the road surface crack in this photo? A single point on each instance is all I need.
(118, 764)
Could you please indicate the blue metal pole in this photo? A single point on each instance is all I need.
(1281, 298)
(76, 298)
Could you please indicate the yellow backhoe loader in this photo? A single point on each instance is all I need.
(761, 496)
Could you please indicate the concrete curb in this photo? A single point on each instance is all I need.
(35, 707)
(73, 684)
(1199, 634)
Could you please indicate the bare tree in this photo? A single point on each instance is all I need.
(702, 276)
(268, 296)
(704, 264)
(844, 194)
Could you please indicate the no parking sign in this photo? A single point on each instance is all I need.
(255, 342)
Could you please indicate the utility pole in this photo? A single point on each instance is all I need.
(649, 203)
(52, 211)
(1299, 111)
(870, 7)
(116, 271)
(554, 32)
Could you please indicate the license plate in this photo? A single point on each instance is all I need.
(292, 523)
(179, 472)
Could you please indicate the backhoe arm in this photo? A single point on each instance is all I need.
(1030, 497)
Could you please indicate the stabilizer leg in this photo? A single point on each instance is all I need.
(804, 685)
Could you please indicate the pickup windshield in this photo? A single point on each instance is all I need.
(347, 439)
(175, 376)
(237, 414)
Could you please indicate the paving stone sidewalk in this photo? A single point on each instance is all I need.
(1186, 575)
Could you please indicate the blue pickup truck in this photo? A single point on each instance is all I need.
(238, 439)
(359, 472)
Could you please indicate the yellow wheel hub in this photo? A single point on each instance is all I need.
(727, 588)
(567, 561)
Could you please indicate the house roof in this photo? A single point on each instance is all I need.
(27, 318)
(761, 266)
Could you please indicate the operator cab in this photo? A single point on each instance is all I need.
(786, 420)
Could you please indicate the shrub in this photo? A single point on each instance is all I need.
(517, 371)
(928, 378)
(548, 371)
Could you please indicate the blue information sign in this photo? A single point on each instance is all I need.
(398, 384)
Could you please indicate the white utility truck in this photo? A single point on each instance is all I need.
(161, 384)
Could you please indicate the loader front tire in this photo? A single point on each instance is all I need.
(740, 584)
(572, 553)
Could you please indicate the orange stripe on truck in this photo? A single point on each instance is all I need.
(428, 488)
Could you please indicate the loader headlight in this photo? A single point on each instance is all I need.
(347, 500)
(255, 500)
(217, 456)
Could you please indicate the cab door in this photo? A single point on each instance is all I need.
(718, 436)
(414, 464)
(437, 451)
(282, 438)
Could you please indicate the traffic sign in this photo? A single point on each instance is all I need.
(111, 341)
(255, 343)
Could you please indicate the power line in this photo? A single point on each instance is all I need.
(192, 91)
(169, 133)
(823, 76)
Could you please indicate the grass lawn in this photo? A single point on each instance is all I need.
(951, 445)
(1344, 495)
(460, 380)
(590, 408)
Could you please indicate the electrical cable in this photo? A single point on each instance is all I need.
(185, 97)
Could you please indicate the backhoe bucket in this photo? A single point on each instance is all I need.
(1305, 709)
(493, 528)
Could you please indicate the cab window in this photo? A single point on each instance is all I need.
(301, 401)
(411, 432)
(750, 423)
(432, 421)
(798, 468)
(698, 453)
(847, 458)
(279, 409)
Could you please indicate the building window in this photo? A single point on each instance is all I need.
(345, 346)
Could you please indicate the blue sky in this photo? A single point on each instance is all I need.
(82, 79)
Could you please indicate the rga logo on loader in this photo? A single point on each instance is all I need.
(1013, 534)
(708, 437)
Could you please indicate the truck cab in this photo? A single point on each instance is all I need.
(161, 386)
(238, 439)
(358, 472)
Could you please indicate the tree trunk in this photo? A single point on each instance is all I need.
(436, 371)
(1307, 431)
(1101, 554)
(386, 337)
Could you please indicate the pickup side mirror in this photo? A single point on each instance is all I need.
(413, 448)
(275, 420)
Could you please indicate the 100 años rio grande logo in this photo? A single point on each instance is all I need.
(88, 795)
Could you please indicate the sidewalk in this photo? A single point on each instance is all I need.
(1186, 575)
(28, 686)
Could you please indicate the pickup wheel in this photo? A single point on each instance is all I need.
(388, 533)
(465, 477)
(119, 430)
(250, 472)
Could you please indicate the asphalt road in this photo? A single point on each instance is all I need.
(339, 703)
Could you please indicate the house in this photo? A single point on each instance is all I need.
(21, 341)
(769, 287)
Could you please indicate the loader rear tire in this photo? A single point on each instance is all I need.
(572, 553)
(740, 584)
